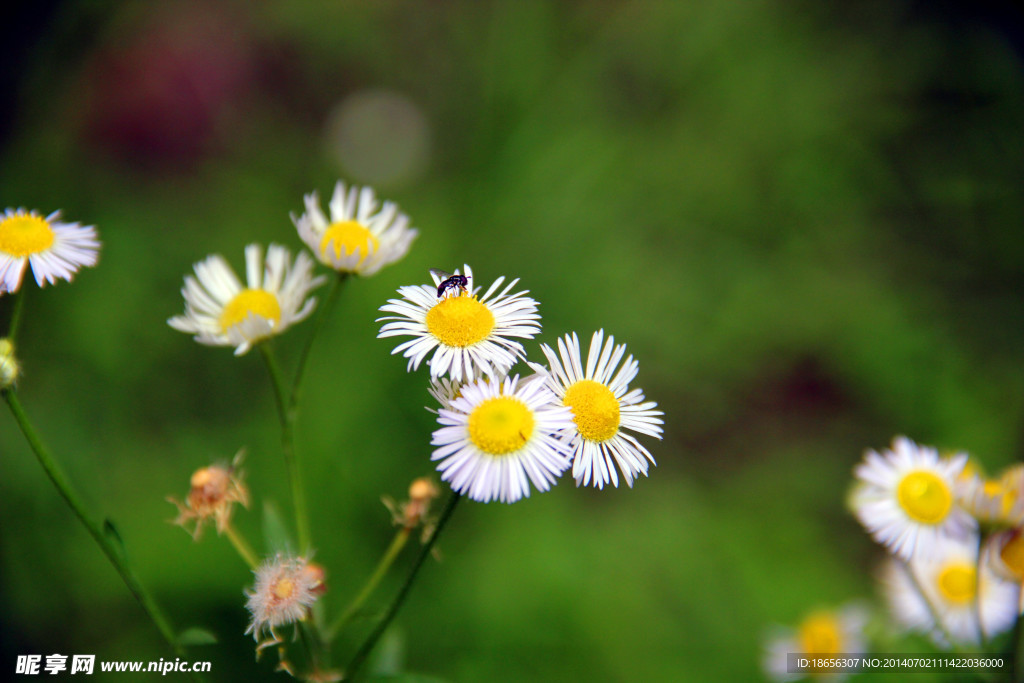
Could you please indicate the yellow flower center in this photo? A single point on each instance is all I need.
(958, 583)
(250, 302)
(820, 634)
(283, 588)
(925, 497)
(1012, 554)
(501, 425)
(460, 321)
(25, 234)
(594, 408)
(347, 236)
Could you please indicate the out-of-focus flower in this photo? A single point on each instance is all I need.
(904, 498)
(53, 249)
(1004, 551)
(824, 633)
(213, 492)
(285, 590)
(994, 501)
(220, 311)
(360, 236)
(948, 586)
(414, 511)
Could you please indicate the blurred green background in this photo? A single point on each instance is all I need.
(805, 220)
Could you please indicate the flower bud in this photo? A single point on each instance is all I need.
(9, 366)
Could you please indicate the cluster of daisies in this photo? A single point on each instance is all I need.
(357, 236)
(499, 432)
(955, 563)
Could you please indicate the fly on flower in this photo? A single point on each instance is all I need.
(448, 281)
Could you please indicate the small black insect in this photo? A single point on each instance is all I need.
(449, 281)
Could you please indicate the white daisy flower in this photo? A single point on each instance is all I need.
(498, 436)
(468, 334)
(603, 407)
(944, 594)
(360, 237)
(905, 497)
(220, 311)
(53, 249)
(823, 633)
(286, 587)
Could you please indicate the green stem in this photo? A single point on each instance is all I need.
(242, 546)
(397, 544)
(385, 621)
(982, 636)
(318, 323)
(314, 644)
(936, 617)
(286, 414)
(19, 305)
(102, 532)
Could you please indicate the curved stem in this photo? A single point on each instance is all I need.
(371, 640)
(286, 414)
(103, 532)
(397, 544)
(242, 546)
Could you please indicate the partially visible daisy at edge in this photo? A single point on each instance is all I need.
(221, 311)
(498, 437)
(468, 334)
(603, 406)
(359, 236)
(997, 501)
(905, 498)
(823, 633)
(53, 249)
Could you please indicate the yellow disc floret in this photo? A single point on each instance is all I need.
(347, 236)
(24, 234)
(958, 583)
(925, 497)
(283, 588)
(594, 408)
(250, 302)
(820, 634)
(501, 425)
(460, 321)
